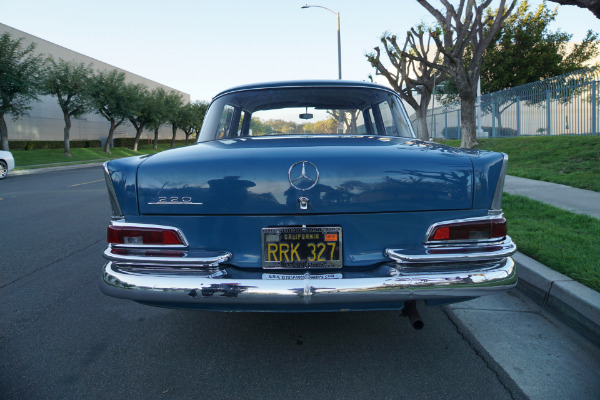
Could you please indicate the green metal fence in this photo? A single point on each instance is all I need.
(563, 105)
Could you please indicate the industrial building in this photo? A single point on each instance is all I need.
(45, 119)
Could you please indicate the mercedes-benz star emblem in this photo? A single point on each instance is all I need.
(303, 175)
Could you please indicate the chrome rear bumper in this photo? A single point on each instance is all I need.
(215, 288)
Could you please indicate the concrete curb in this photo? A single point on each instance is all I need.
(573, 303)
(52, 169)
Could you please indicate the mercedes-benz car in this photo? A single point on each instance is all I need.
(307, 196)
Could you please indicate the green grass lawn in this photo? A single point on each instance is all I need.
(561, 240)
(570, 160)
(28, 158)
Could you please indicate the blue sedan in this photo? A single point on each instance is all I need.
(307, 196)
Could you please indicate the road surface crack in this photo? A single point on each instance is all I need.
(51, 263)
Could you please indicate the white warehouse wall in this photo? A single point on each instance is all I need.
(45, 120)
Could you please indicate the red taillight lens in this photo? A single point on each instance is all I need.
(470, 230)
(139, 235)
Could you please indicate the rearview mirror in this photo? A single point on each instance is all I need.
(306, 116)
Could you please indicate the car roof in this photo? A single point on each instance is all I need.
(304, 83)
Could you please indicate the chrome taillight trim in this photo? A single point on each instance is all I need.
(497, 200)
(150, 246)
(457, 253)
(112, 194)
(434, 226)
(209, 259)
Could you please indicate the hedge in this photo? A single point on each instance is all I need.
(51, 144)
(60, 144)
(128, 142)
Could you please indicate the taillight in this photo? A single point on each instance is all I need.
(469, 230)
(142, 236)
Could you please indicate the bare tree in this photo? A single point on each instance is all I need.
(592, 5)
(461, 28)
(410, 77)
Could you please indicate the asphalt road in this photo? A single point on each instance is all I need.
(60, 338)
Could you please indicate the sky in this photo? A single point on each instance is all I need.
(203, 47)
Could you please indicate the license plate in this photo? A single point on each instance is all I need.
(302, 247)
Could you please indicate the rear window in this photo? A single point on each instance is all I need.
(305, 111)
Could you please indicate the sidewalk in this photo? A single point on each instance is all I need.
(573, 303)
(517, 332)
(566, 197)
(49, 168)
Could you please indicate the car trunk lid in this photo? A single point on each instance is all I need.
(300, 174)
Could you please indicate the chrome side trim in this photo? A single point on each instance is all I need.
(112, 195)
(205, 259)
(122, 222)
(458, 221)
(458, 253)
(497, 201)
(197, 289)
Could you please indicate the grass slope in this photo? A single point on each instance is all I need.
(561, 240)
(570, 160)
(27, 158)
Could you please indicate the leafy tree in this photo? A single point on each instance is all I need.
(324, 126)
(259, 127)
(462, 27)
(185, 120)
(108, 94)
(173, 105)
(162, 105)
(140, 109)
(200, 108)
(526, 51)
(414, 81)
(20, 70)
(68, 81)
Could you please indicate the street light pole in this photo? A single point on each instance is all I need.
(339, 47)
(337, 14)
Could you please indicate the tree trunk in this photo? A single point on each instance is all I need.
(67, 132)
(155, 139)
(138, 133)
(109, 139)
(422, 124)
(499, 117)
(187, 135)
(467, 123)
(173, 137)
(468, 100)
(3, 133)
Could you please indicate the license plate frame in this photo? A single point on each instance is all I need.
(310, 247)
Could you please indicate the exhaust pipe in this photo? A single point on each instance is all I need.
(410, 311)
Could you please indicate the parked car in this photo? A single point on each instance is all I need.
(7, 163)
(307, 196)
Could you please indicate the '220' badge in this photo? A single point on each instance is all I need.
(183, 200)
